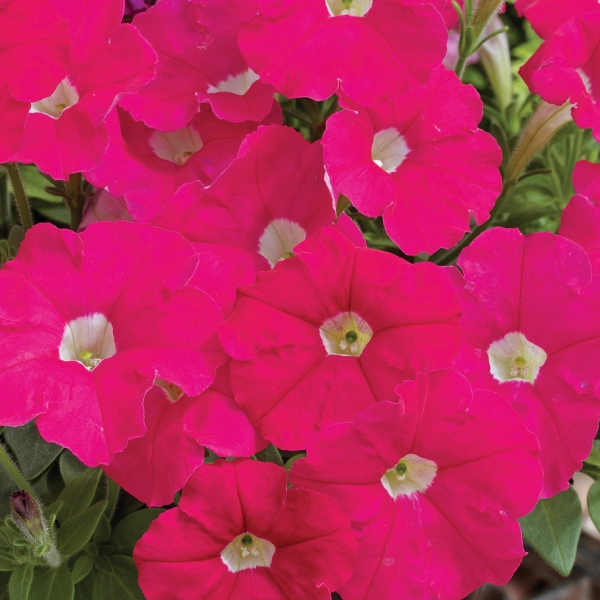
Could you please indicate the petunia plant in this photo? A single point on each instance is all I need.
(298, 298)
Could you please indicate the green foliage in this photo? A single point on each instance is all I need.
(270, 454)
(56, 584)
(75, 533)
(20, 582)
(117, 580)
(33, 454)
(78, 495)
(593, 501)
(553, 529)
(131, 529)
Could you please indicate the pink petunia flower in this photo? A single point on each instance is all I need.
(432, 485)
(147, 166)
(546, 16)
(64, 132)
(374, 51)
(333, 330)
(419, 161)
(580, 220)
(103, 207)
(531, 331)
(238, 533)
(88, 321)
(266, 202)
(566, 67)
(13, 114)
(198, 61)
(155, 466)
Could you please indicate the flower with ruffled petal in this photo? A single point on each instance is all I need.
(178, 427)
(374, 50)
(239, 533)
(147, 166)
(531, 331)
(333, 330)
(64, 132)
(580, 220)
(198, 61)
(420, 161)
(566, 68)
(269, 199)
(432, 485)
(88, 321)
(546, 16)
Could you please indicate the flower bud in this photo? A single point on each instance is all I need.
(27, 515)
(495, 57)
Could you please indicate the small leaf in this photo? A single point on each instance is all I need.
(593, 501)
(6, 560)
(553, 529)
(20, 582)
(55, 584)
(113, 490)
(120, 584)
(82, 567)
(290, 461)
(70, 466)
(127, 533)
(270, 454)
(78, 494)
(75, 533)
(33, 454)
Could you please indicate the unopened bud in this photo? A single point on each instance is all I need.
(495, 57)
(27, 515)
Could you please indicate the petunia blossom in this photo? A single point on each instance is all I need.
(531, 331)
(333, 330)
(155, 466)
(64, 132)
(102, 206)
(546, 16)
(239, 533)
(88, 321)
(432, 485)
(420, 161)
(374, 51)
(580, 220)
(198, 61)
(147, 166)
(566, 67)
(13, 114)
(269, 199)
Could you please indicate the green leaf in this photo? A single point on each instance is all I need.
(78, 495)
(33, 454)
(593, 501)
(20, 582)
(102, 533)
(553, 529)
(55, 584)
(82, 567)
(290, 461)
(6, 560)
(70, 466)
(4, 579)
(84, 590)
(34, 183)
(112, 497)
(75, 533)
(270, 454)
(591, 465)
(126, 534)
(120, 584)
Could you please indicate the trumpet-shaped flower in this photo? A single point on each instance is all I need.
(374, 51)
(426, 488)
(546, 16)
(239, 533)
(419, 161)
(531, 331)
(88, 321)
(333, 330)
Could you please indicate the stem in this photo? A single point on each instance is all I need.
(20, 195)
(14, 472)
(75, 200)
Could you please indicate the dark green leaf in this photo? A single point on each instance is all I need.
(84, 590)
(54, 211)
(102, 533)
(120, 584)
(20, 582)
(290, 461)
(553, 529)
(593, 500)
(112, 497)
(4, 579)
(54, 584)
(591, 465)
(75, 533)
(33, 454)
(126, 534)
(82, 567)
(270, 454)
(70, 466)
(78, 495)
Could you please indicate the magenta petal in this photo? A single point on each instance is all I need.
(14, 114)
(546, 16)
(34, 50)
